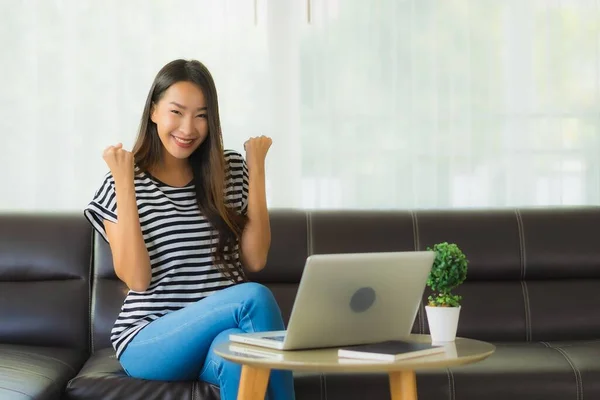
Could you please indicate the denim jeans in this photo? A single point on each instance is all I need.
(179, 345)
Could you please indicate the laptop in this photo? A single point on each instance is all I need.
(350, 299)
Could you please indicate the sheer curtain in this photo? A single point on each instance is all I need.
(387, 104)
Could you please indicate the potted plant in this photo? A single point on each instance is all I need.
(449, 270)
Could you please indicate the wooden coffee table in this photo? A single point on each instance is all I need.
(257, 363)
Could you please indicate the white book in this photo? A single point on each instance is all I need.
(255, 353)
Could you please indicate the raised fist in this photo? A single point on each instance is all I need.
(120, 162)
(256, 150)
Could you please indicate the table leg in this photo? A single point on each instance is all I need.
(253, 383)
(403, 385)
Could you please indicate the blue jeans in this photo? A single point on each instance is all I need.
(179, 345)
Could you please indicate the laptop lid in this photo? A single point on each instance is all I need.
(357, 298)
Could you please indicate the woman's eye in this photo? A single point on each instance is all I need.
(175, 112)
(201, 115)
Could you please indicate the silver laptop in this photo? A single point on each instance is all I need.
(346, 299)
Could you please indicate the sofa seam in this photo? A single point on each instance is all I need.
(451, 391)
(416, 245)
(194, 386)
(578, 379)
(582, 342)
(577, 371)
(524, 246)
(24, 371)
(521, 242)
(91, 294)
(17, 391)
(523, 262)
(42, 356)
(529, 311)
(528, 332)
(449, 384)
(323, 387)
(415, 222)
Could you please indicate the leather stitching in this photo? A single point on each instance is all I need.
(415, 230)
(16, 391)
(523, 260)
(323, 387)
(40, 356)
(194, 390)
(451, 390)
(449, 385)
(529, 324)
(521, 242)
(574, 344)
(24, 371)
(453, 386)
(528, 333)
(421, 314)
(91, 276)
(525, 306)
(309, 238)
(578, 380)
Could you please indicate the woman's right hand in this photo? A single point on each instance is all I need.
(120, 162)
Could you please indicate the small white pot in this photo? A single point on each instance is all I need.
(443, 323)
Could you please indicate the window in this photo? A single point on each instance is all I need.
(393, 104)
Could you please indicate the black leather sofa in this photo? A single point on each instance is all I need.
(533, 289)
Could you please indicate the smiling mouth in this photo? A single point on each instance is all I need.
(183, 141)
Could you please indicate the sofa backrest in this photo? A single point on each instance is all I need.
(291, 244)
(108, 294)
(44, 280)
(298, 234)
(533, 274)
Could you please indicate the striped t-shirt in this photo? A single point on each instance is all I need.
(180, 242)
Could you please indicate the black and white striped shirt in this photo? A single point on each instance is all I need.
(179, 239)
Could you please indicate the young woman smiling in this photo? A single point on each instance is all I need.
(184, 219)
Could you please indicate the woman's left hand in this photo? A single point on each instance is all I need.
(256, 150)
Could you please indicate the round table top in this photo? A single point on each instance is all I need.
(461, 351)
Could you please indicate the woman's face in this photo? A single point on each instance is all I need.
(181, 119)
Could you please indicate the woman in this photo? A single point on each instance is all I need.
(191, 218)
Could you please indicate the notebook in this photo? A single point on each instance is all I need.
(255, 352)
(391, 350)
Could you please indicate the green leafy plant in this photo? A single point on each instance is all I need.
(448, 272)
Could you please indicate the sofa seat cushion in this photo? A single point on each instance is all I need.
(31, 372)
(519, 371)
(103, 378)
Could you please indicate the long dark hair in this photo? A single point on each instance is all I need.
(207, 161)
